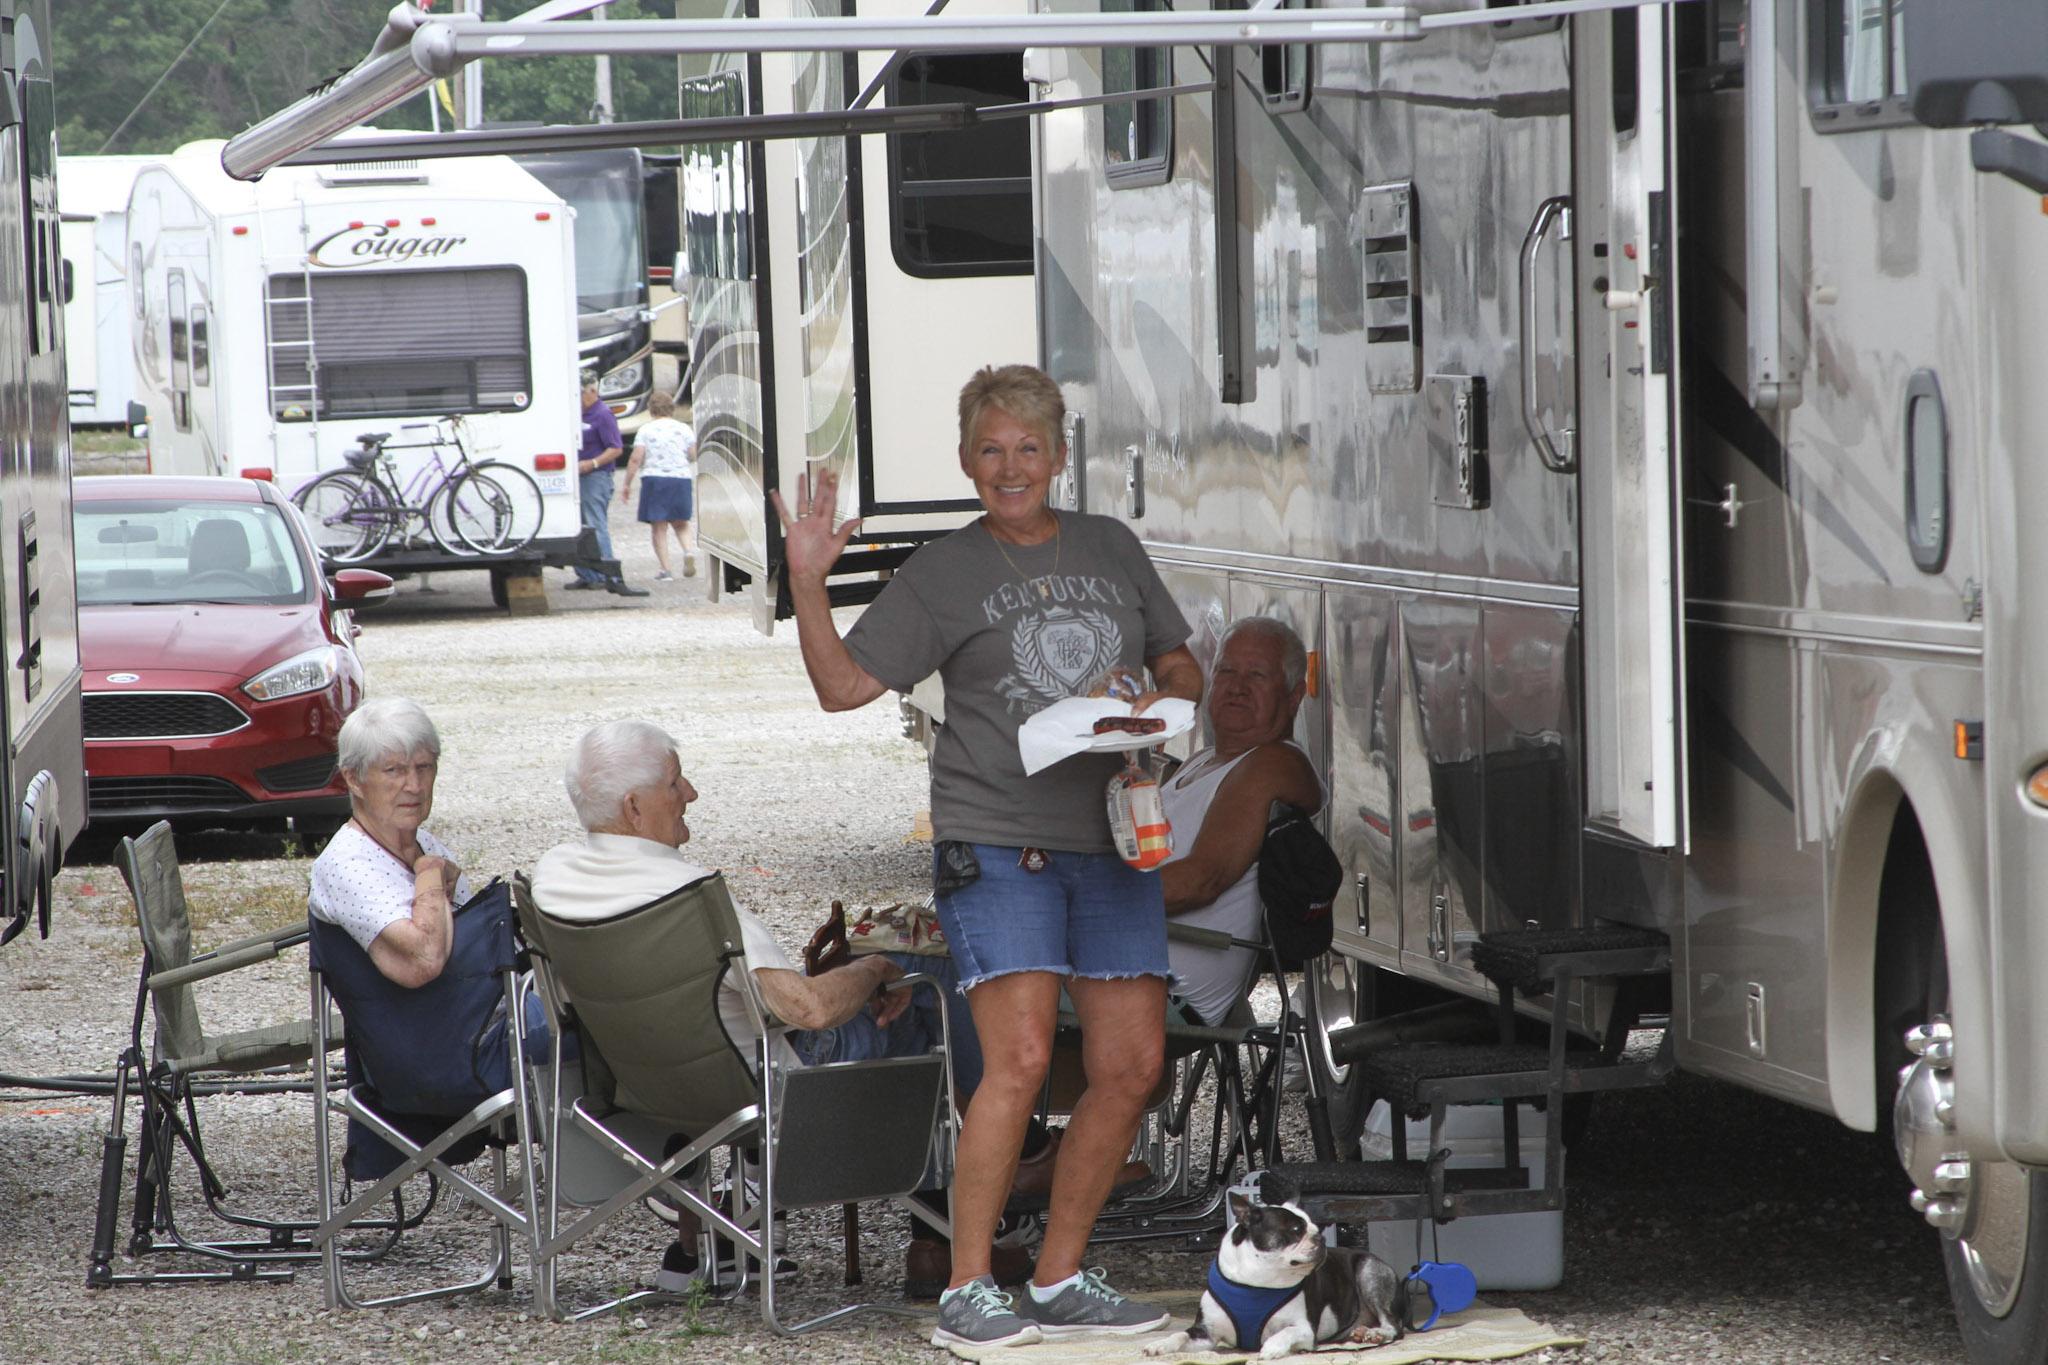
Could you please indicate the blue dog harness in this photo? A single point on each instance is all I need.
(1250, 1307)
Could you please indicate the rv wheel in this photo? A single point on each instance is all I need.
(1992, 1215)
(1337, 999)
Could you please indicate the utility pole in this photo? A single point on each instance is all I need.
(472, 81)
(601, 106)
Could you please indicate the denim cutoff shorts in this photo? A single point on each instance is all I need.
(1090, 915)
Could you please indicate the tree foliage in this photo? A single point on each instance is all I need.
(258, 56)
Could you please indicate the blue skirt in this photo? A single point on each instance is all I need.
(667, 499)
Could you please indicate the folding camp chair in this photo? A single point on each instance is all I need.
(668, 1087)
(182, 1058)
(435, 1077)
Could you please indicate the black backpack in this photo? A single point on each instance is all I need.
(1299, 874)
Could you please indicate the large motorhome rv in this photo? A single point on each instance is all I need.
(279, 322)
(92, 194)
(1636, 410)
(614, 318)
(42, 764)
(896, 260)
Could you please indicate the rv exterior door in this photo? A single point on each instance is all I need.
(1625, 254)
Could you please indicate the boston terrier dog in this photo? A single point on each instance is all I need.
(1274, 1284)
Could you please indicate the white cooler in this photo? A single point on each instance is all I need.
(1503, 1250)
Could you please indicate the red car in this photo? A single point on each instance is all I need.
(219, 660)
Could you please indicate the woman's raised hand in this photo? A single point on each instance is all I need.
(810, 544)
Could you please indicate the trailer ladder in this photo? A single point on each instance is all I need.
(278, 309)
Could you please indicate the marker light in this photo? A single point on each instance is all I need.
(550, 464)
(241, 230)
(259, 472)
(2037, 786)
(542, 216)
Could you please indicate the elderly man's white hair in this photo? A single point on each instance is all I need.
(1293, 653)
(385, 727)
(611, 760)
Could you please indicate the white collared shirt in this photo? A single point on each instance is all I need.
(608, 874)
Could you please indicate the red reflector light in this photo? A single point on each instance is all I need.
(260, 472)
(426, 222)
(390, 222)
(549, 464)
(354, 224)
(542, 216)
(241, 231)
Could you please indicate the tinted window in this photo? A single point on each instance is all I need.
(1858, 63)
(961, 202)
(146, 552)
(604, 188)
(1927, 512)
(1137, 135)
(718, 229)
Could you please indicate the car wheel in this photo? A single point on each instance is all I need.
(315, 830)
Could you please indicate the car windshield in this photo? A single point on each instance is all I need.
(136, 552)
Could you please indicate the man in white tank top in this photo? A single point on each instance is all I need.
(1219, 801)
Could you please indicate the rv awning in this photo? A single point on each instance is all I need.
(416, 49)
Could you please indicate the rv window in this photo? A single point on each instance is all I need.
(202, 349)
(400, 343)
(180, 350)
(38, 192)
(1856, 76)
(1926, 472)
(1137, 135)
(718, 228)
(960, 201)
(135, 290)
(1284, 72)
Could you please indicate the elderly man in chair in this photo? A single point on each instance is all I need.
(627, 785)
(1219, 800)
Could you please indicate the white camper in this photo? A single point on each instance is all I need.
(92, 195)
(278, 322)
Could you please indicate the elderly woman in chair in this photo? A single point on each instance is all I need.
(383, 878)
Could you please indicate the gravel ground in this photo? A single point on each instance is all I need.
(1706, 1223)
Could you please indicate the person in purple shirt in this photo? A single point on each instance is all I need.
(602, 446)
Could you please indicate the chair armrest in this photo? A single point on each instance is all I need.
(214, 964)
(284, 936)
(1196, 936)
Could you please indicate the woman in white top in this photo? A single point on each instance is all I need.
(664, 452)
(393, 886)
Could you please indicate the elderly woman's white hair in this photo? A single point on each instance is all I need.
(1293, 653)
(384, 727)
(610, 761)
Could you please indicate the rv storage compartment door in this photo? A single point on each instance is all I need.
(1626, 260)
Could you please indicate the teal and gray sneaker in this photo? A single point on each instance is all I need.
(979, 1314)
(1089, 1307)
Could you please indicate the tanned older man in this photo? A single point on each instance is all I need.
(1223, 796)
(626, 782)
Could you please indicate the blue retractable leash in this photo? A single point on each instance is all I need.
(1450, 1286)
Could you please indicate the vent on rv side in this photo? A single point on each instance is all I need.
(375, 173)
(1393, 288)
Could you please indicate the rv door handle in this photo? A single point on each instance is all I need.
(1553, 213)
(1623, 300)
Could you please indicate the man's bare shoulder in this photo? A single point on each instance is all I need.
(1278, 771)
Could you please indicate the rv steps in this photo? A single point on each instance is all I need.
(1338, 1192)
(842, 587)
(1530, 959)
(1414, 1078)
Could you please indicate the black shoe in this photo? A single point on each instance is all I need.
(618, 587)
(578, 585)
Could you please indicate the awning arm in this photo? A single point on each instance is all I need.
(438, 46)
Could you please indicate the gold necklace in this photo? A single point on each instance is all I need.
(1044, 587)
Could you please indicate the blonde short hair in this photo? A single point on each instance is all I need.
(1025, 392)
(660, 404)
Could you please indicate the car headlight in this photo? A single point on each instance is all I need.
(308, 672)
(625, 379)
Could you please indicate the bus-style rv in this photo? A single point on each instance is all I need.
(42, 765)
(278, 322)
(1635, 409)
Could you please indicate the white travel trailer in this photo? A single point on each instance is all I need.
(278, 321)
(902, 264)
(92, 194)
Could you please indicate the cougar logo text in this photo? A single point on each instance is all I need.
(377, 244)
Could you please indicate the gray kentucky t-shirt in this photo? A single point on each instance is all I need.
(1011, 629)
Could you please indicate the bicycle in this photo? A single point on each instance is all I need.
(471, 508)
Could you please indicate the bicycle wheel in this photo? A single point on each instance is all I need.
(471, 515)
(527, 504)
(349, 515)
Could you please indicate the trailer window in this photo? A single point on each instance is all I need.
(202, 348)
(1926, 472)
(1284, 72)
(1137, 135)
(180, 349)
(399, 343)
(1856, 76)
(718, 226)
(960, 201)
(38, 130)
